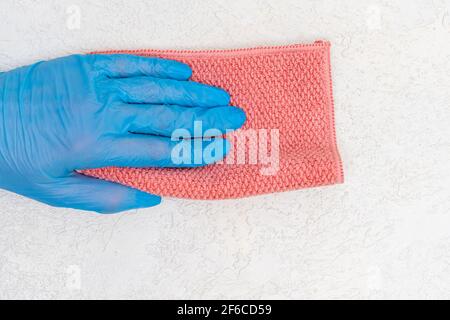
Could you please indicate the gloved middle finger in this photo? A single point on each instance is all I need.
(167, 91)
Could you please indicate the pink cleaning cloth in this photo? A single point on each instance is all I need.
(284, 89)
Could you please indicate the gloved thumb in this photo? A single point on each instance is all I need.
(80, 192)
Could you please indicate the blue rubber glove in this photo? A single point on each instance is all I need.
(92, 111)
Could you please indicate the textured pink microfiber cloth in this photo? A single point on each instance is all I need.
(286, 88)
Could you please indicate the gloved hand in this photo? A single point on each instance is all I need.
(92, 111)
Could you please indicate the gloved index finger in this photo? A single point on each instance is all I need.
(126, 65)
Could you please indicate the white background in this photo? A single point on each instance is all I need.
(385, 233)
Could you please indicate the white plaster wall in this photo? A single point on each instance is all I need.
(385, 233)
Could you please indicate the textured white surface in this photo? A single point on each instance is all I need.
(385, 233)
